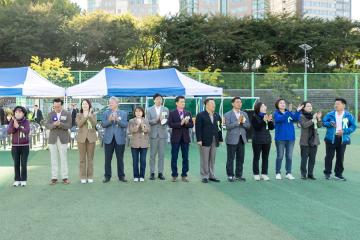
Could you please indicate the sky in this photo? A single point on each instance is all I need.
(172, 6)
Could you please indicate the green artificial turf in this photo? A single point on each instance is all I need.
(164, 210)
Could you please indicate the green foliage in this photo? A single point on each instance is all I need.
(52, 69)
(207, 76)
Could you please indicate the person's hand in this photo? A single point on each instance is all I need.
(299, 108)
(290, 107)
(16, 124)
(183, 121)
(200, 143)
(241, 119)
(340, 133)
(111, 118)
(270, 118)
(57, 123)
(333, 124)
(266, 118)
(319, 115)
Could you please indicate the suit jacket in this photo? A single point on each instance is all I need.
(234, 129)
(306, 126)
(261, 135)
(207, 130)
(179, 131)
(61, 131)
(74, 112)
(115, 128)
(84, 132)
(2, 116)
(139, 137)
(38, 117)
(157, 129)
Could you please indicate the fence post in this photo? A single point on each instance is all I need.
(305, 86)
(252, 84)
(79, 83)
(356, 87)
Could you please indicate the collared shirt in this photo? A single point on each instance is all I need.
(181, 113)
(339, 118)
(158, 110)
(211, 115)
(237, 113)
(58, 115)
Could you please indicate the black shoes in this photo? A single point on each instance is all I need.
(327, 176)
(205, 180)
(123, 179)
(152, 176)
(214, 179)
(311, 177)
(106, 180)
(241, 179)
(340, 178)
(161, 176)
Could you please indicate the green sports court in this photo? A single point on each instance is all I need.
(299, 209)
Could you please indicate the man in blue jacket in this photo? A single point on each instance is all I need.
(115, 123)
(340, 124)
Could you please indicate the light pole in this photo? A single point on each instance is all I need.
(305, 47)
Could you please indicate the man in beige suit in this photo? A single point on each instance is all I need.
(59, 123)
(86, 139)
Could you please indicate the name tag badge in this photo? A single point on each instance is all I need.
(63, 118)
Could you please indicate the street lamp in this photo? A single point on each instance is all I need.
(306, 48)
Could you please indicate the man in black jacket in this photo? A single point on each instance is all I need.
(208, 130)
(38, 116)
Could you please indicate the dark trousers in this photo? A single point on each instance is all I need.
(235, 151)
(308, 156)
(264, 150)
(339, 148)
(119, 152)
(175, 147)
(139, 156)
(20, 156)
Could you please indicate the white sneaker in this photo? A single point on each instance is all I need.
(289, 176)
(23, 183)
(278, 176)
(16, 183)
(90, 180)
(256, 177)
(83, 181)
(136, 179)
(265, 177)
(141, 179)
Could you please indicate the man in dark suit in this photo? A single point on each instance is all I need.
(74, 112)
(180, 121)
(38, 116)
(209, 135)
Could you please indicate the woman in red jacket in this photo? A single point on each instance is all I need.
(19, 128)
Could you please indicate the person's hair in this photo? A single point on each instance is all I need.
(257, 107)
(157, 95)
(21, 108)
(36, 105)
(58, 100)
(178, 98)
(88, 102)
(304, 104)
(277, 103)
(141, 109)
(341, 100)
(208, 100)
(114, 99)
(235, 98)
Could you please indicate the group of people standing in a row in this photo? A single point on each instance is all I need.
(150, 130)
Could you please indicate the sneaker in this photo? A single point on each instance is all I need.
(257, 177)
(231, 179)
(23, 183)
(136, 179)
(142, 179)
(90, 180)
(83, 181)
(290, 176)
(340, 178)
(278, 176)
(16, 183)
(265, 177)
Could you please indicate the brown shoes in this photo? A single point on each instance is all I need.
(66, 181)
(53, 181)
(184, 179)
